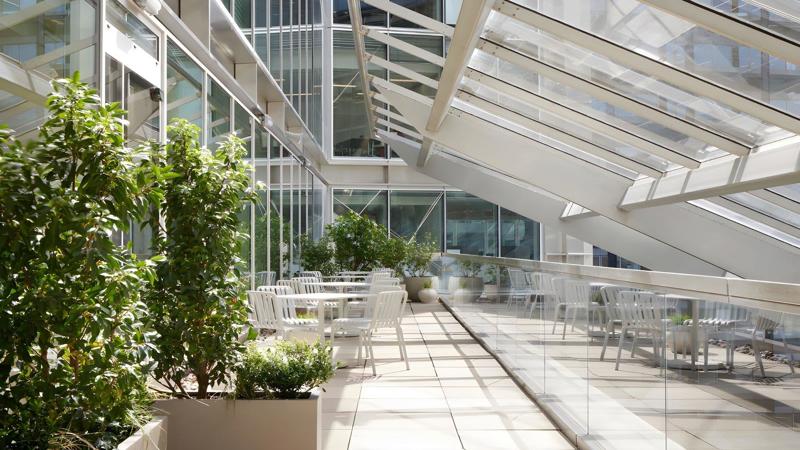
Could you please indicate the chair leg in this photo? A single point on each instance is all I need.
(564, 329)
(609, 326)
(705, 356)
(789, 355)
(403, 352)
(635, 338)
(371, 353)
(619, 348)
(757, 354)
(555, 318)
(360, 345)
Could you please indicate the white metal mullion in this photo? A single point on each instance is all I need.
(651, 67)
(360, 51)
(398, 69)
(732, 27)
(399, 44)
(587, 121)
(559, 135)
(412, 16)
(607, 95)
(471, 20)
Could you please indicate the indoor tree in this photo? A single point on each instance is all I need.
(199, 306)
(73, 347)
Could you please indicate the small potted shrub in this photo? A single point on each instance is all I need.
(418, 258)
(427, 294)
(679, 336)
(275, 403)
(490, 288)
(468, 286)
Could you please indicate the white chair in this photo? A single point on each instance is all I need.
(265, 278)
(610, 296)
(270, 312)
(774, 321)
(380, 285)
(642, 312)
(520, 291)
(541, 286)
(311, 273)
(385, 311)
(721, 320)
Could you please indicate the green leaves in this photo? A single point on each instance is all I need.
(73, 352)
(288, 371)
(199, 307)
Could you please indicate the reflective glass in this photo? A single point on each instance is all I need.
(242, 126)
(519, 236)
(779, 16)
(219, 114)
(432, 44)
(791, 191)
(429, 8)
(143, 110)
(471, 225)
(764, 207)
(184, 86)
(680, 43)
(369, 203)
(746, 221)
(351, 135)
(132, 27)
(578, 61)
(418, 214)
(370, 15)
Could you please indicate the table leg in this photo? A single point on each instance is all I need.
(694, 332)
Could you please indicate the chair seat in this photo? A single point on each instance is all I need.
(301, 322)
(351, 323)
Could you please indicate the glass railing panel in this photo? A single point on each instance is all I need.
(689, 371)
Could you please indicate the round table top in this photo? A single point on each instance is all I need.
(323, 296)
(340, 284)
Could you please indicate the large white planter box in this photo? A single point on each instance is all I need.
(243, 424)
(152, 436)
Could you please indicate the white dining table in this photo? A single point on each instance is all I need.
(341, 286)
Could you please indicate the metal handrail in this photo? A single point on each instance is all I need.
(783, 297)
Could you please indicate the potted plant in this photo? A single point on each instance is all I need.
(418, 258)
(490, 288)
(679, 336)
(427, 294)
(74, 346)
(320, 255)
(469, 285)
(275, 402)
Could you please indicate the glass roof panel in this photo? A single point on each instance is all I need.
(746, 221)
(682, 44)
(547, 118)
(516, 128)
(780, 16)
(534, 43)
(767, 208)
(791, 191)
(593, 107)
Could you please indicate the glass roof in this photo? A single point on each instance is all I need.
(746, 221)
(779, 16)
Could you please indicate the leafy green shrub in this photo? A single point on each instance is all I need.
(198, 305)
(288, 371)
(73, 343)
(357, 240)
(470, 269)
(680, 319)
(418, 257)
(320, 255)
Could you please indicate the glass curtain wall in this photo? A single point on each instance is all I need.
(287, 36)
(465, 223)
(351, 134)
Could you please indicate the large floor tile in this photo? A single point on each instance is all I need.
(513, 440)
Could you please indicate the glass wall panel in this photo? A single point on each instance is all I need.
(429, 8)
(184, 87)
(143, 110)
(133, 28)
(471, 225)
(370, 15)
(431, 44)
(519, 236)
(369, 203)
(219, 114)
(418, 214)
(351, 135)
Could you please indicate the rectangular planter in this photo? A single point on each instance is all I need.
(152, 436)
(243, 424)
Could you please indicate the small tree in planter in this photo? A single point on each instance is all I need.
(418, 259)
(320, 255)
(357, 240)
(199, 306)
(73, 346)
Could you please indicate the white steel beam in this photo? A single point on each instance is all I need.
(358, 40)
(26, 84)
(411, 16)
(777, 200)
(471, 20)
(582, 119)
(689, 229)
(399, 44)
(425, 152)
(730, 175)
(651, 67)
(9, 20)
(545, 208)
(732, 27)
(601, 93)
(400, 128)
(391, 115)
(559, 135)
(575, 211)
(406, 72)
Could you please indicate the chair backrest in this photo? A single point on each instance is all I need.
(265, 278)
(297, 283)
(610, 296)
(540, 282)
(277, 290)
(311, 273)
(288, 307)
(516, 278)
(767, 320)
(387, 309)
(284, 283)
(372, 277)
(310, 288)
(642, 309)
(577, 293)
(263, 310)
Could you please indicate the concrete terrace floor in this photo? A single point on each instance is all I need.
(455, 396)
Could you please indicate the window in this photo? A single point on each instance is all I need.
(519, 236)
(369, 203)
(418, 214)
(471, 225)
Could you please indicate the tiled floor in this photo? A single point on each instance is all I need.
(455, 396)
